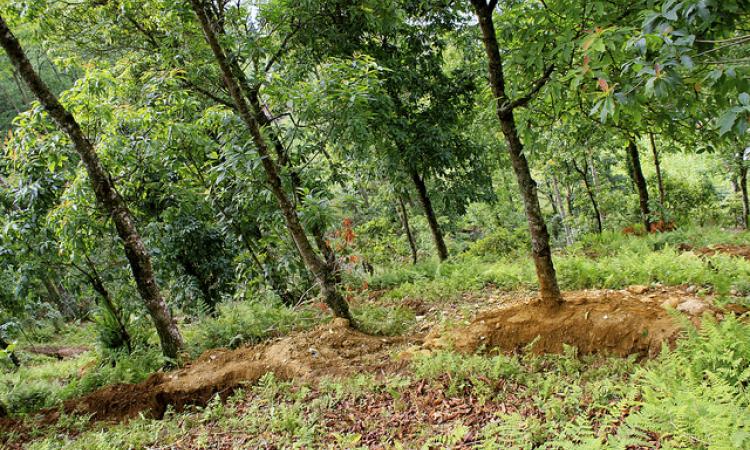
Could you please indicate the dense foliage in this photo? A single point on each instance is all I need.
(203, 173)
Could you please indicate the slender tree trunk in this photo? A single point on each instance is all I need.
(640, 182)
(743, 192)
(58, 297)
(13, 358)
(590, 194)
(424, 199)
(407, 229)
(106, 195)
(320, 269)
(98, 284)
(540, 247)
(561, 209)
(659, 180)
(204, 284)
(270, 274)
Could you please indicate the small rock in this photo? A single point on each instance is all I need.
(692, 306)
(637, 289)
(691, 289)
(671, 303)
(419, 318)
(734, 293)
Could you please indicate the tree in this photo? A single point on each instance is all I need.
(540, 242)
(135, 250)
(234, 80)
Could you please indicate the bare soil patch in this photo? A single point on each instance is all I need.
(622, 322)
(331, 349)
(742, 251)
(56, 352)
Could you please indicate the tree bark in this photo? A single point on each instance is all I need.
(13, 358)
(270, 275)
(541, 251)
(743, 192)
(561, 209)
(58, 296)
(320, 269)
(640, 183)
(424, 199)
(98, 285)
(659, 180)
(589, 193)
(407, 229)
(106, 195)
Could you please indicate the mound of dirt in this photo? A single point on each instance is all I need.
(742, 251)
(633, 321)
(56, 352)
(331, 349)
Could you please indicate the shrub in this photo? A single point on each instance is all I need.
(500, 242)
(246, 323)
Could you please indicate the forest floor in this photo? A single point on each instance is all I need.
(479, 368)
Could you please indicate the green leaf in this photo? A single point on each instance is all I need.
(726, 122)
(744, 99)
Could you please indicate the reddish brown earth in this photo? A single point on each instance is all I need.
(56, 352)
(331, 349)
(624, 322)
(742, 251)
(610, 322)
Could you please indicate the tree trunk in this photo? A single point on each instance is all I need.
(13, 358)
(659, 180)
(270, 274)
(320, 269)
(640, 183)
(561, 209)
(204, 284)
(590, 193)
(58, 297)
(98, 284)
(407, 229)
(743, 192)
(540, 247)
(424, 199)
(136, 252)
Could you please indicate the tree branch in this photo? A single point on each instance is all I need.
(535, 88)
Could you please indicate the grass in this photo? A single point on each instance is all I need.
(693, 397)
(619, 261)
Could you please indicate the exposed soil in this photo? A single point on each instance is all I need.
(331, 349)
(632, 321)
(625, 322)
(742, 251)
(56, 352)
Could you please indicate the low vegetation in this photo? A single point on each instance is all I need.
(374, 224)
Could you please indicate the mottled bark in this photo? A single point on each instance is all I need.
(743, 191)
(106, 195)
(320, 269)
(540, 247)
(429, 212)
(590, 193)
(97, 283)
(407, 229)
(561, 210)
(659, 179)
(639, 180)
